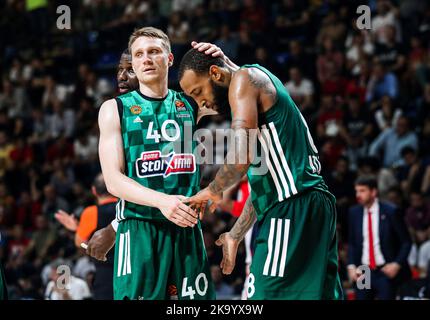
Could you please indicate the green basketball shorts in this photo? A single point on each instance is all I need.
(158, 260)
(296, 251)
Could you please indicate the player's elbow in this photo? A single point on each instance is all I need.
(112, 189)
(111, 185)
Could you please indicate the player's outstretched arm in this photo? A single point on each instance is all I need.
(111, 153)
(230, 240)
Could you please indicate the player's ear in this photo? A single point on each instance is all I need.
(215, 73)
(171, 58)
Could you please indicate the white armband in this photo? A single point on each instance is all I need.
(114, 224)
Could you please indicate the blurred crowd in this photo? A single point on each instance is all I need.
(364, 93)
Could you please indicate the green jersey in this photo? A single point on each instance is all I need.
(158, 148)
(288, 150)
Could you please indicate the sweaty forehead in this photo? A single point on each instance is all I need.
(125, 59)
(143, 43)
(190, 80)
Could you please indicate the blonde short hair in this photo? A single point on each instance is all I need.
(149, 32)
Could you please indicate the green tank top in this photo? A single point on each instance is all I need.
(287, 149)
(158, 148)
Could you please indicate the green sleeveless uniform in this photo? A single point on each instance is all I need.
(296, 249)
(155, 258)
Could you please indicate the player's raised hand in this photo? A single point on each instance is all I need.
(229, 252)
(202, 199)
(69, 221)
(175, 210)
(208, 48)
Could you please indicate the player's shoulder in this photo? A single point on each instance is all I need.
(242, 75)
(178, 94)
(108, 104)
(108, 112)
(251, 76)
(242, 81)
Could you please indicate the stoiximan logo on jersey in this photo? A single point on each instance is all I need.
(180, 106)
(152, 163)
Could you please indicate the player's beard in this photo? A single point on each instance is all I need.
(220, 98)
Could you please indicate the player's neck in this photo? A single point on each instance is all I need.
(154, 90)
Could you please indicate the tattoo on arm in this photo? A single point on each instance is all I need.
(237, 161)
(262, 82)
(228, 175)
(245, 221)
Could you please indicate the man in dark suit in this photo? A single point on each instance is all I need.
(378, 238)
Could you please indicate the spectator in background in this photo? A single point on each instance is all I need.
(418, 221)
(41, 241)
(178, 32)
(378, 238)
(263, 58)
(53, 92)
(391, 141)
(359, 48)
(357, 85)
(301, 90)
(330, 118)
(52, 202)
(185, 5)
(291, 22)
(418, 218)
(330, 58)
(381, 83)
(60, 121)
(391, 53)
(423, 106)
(341, 185)
(387, 15)
(75, 289)
(387, 116)
(34, 74)
(228, 42)
(60, 150)
(331, 28)
(5, 153)
(254, 15)
(18, 242)
(247, 47)
(410, 174)
(298, 58)
(334, 83)
(202, 24)
(28, 209)
(356, 122)
(329, 124)
(13, 99)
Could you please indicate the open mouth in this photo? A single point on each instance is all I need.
(122, 87)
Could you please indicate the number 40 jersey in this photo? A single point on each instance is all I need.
(158, 148)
